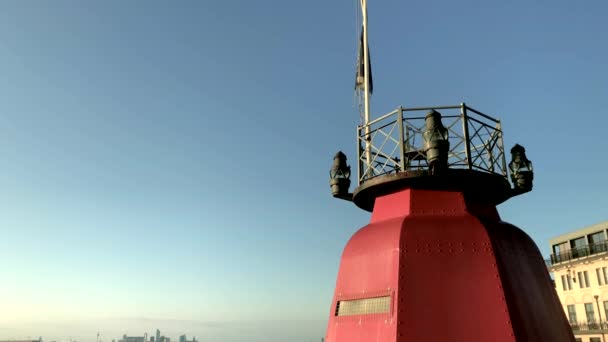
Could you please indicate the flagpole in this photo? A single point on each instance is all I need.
(366, 67)
(365, 60)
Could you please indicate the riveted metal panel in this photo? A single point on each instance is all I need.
(536, 311)
(453, 271)
(450, 277)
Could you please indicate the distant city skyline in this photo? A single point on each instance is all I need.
(85, 331)
(125, 338)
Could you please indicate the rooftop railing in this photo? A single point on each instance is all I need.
(580, 252)
(395, 142)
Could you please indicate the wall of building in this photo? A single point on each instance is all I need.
(579, 280)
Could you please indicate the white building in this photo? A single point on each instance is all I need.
(579, 263)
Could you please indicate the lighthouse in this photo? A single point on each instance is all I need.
(436, 262)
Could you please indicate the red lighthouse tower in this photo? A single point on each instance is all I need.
(436, 262)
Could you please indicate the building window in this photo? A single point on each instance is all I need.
(578, 243)
(578, 339)
(560, 252)
(605, 272)
(572, 313)
(600, 277)
(594, 339)
(606, 310)
(583, 279)
(578, 247)
(564, 282)
(597, 237)
(589, 312)
(597, 242)
(569, 279)
(560, 248)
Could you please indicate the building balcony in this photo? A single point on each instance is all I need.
(590, 327)
(579, 252)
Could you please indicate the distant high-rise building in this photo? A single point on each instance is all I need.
(182, 338)
(151, 338)
(157, 335)
(126, 338)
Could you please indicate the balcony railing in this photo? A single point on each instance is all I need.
(587, 326)
(580, 252)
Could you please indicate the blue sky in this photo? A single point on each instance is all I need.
(168, 161)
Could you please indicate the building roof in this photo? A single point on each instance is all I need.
(578, 233)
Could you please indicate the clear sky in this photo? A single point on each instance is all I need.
(165, 164)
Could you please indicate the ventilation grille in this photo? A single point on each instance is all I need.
(366, 306)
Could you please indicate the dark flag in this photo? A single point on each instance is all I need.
(360, 77)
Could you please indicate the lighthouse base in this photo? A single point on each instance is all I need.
(432, 266)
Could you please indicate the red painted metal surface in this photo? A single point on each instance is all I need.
(454, 272)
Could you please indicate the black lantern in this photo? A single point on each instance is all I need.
(521, 169)
(436, 143)
(339, 176)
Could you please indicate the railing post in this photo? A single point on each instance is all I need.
(490, 156)
(502, 148)
(401, 139)
(465, 129)
(359, 162)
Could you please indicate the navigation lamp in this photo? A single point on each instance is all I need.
(436, 143)
(521, 169)
(339, 176)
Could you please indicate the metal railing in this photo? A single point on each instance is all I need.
(395, 142)
(580, 252)
(586, 326)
